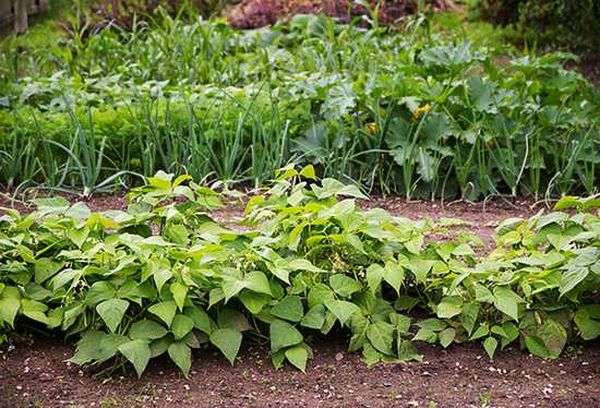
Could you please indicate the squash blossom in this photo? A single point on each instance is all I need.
(419, 111)
(371, 128)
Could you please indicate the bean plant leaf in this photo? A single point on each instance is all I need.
(393, 274)
(341, 309)
(283, 335)
(587, 319)
(381, 336)
(314, 318)
(506, 301)
(490, 344)
(45, 268)
(165, 311)
(289, 308)
(179, 291)
(181, 354)
(447, 336)
(298, 356)
(468, 316)
(449, 307)
(112, 312)
(572, 278)
(181, 326)
(344, 285)
(228, 341)
(554, 336)
(146, 330)
(536, 346)
(9, 307)
(138, 353)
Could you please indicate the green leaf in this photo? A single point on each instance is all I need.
(482, 330)
(314, 318)
(341, 309)
(432, 324)
(344, 285)
(298, 356)
(138, 353)
(231, 288)
(179, 291)
(426, 335)
(407, 351)
(483, 294)
(370, 355)
(181, 326)
(233, 319)
(308, 172)
(45, 268)
(512, 333)
(253, 301)
(536, 346)
(9, 307)
(381, 336)
(447, 336)
(506, 300)
(146, 330)
(374, 277)
(449, 307)
(587, 319)
(98, 292)
(393, 274)
(490, 344)
(161, 276)
(258, 282)
(112, 312)
(165, 311)
(572, 278)
(290, 308)
(97, 346)
(567, 202)
(201, 319)
(228, 341)
(283, 335)
(554, 336)
(510, 238)
(34, 310)
(400, 322)
(181, 355)
(159, 346)
(468, 316)
(406, 303)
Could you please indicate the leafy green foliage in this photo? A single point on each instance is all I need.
(308, 260)
(408, 112)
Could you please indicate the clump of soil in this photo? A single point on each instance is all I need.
(260, 13)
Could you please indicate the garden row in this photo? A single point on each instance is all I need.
(165, 278)
(411, 112)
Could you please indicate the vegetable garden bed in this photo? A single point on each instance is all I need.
(307, 268)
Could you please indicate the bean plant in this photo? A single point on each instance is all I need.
(164, 277)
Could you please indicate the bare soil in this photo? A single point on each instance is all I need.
(462, 376)
(34, 373)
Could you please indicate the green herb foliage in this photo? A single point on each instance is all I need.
(409, 112)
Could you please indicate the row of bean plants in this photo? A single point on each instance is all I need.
(163, 277)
